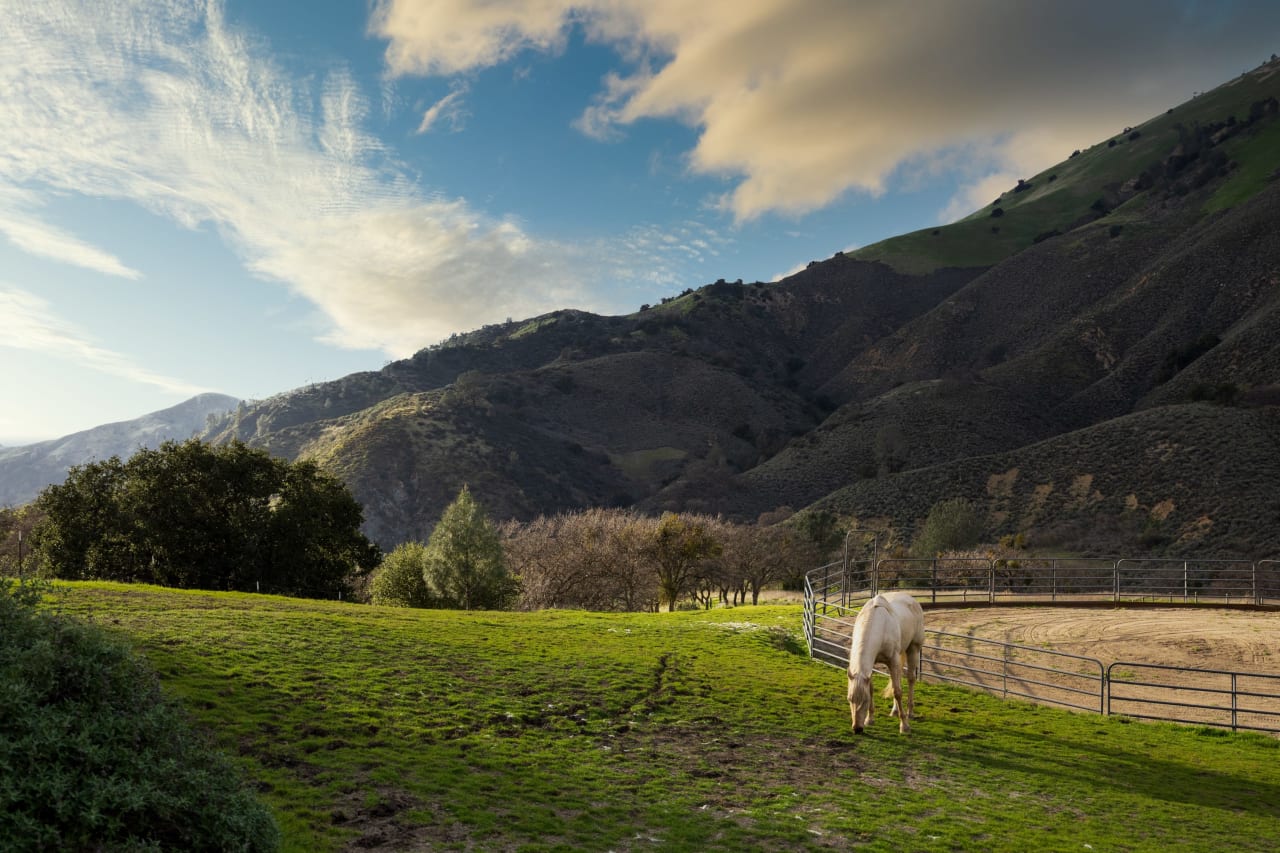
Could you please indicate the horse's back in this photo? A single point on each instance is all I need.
(909, 613)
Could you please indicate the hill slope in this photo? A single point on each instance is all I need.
(1129, 280)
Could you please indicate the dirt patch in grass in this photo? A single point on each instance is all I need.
(379, 817)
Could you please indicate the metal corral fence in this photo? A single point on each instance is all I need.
(1235, 700)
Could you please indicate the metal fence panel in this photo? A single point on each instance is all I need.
(1235, 700)
(1232, 700)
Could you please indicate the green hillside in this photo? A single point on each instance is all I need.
(376, 729)
(1103, 177)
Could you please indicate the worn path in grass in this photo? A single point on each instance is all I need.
(371, 728)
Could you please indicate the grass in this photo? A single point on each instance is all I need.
(380, 728)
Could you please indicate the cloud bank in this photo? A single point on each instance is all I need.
(802, 101)
(165, 105)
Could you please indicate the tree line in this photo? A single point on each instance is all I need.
(596, 559)
(194, 515)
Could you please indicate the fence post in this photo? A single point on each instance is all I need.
(933, 580)
(1184, 581)
(1004, 673)
(1233, 701)
(1115, 570)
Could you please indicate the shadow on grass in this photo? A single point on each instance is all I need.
(1137, 769)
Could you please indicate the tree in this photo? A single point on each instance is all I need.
(465, 564)
(594, 559)
(822, 528)
(756, 556)
(401, 579)
(196, 516)
(679, 543)
(951, 525)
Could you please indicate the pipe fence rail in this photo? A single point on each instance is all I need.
(1236, 700)
(1233, 700)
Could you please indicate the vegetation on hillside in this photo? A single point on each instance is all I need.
(93, 757)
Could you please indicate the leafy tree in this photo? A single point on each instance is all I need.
(822, 528)
(401, 579)
(678, 545)
(95, 757)
(465, 564)
(951, 525)
(193, 515)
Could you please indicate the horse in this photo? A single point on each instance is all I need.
(889, 630)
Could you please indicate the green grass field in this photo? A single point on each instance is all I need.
(374, 728)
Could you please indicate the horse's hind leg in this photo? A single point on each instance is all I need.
(913, 669)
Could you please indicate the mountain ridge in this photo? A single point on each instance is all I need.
(26, 469)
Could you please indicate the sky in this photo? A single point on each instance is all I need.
(247, 197)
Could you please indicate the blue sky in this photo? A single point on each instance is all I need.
(246, 197)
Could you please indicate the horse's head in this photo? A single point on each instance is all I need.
(860, 700)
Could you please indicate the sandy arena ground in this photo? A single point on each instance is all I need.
(1239, 640)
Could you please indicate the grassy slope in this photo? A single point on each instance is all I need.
(1094, 172)
(564, 730)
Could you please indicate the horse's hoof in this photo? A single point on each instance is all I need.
(857, 730)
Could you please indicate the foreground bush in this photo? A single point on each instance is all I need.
(92, 757)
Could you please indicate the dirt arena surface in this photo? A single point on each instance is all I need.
(1203, 638)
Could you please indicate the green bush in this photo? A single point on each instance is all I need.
(400, 580)
(93, 757)
(952, 525)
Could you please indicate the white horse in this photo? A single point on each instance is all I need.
(889, 630)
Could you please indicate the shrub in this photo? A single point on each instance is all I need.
(952, 525)
(400, 580)
(95, 758)
(998, 212)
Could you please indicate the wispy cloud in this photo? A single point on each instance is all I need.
(449, 109)
(28, 323)
(166, 105)
(39, 238)
(802, 101)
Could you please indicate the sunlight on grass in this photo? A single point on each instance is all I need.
(700, 730)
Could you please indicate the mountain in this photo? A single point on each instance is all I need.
(1093, 359)
(25, 470)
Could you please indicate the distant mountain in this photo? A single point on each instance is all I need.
(27, 469)
(1093, 359)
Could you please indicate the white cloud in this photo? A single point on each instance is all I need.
(35, 237)
(449, 108)
(167, 106)
(28, 323)
(802, 101)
